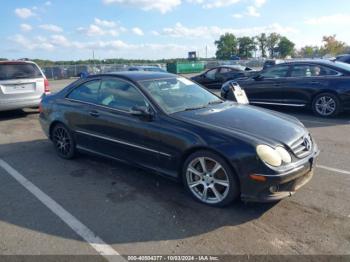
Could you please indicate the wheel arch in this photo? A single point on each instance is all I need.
(324, 91)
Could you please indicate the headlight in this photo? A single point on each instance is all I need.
(286, 158)
(273, 157)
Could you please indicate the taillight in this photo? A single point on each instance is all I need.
(47, 86)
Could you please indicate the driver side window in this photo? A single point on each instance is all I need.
(276, 72)
(211, 74)
(120, 95)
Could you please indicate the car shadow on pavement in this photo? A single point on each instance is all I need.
(119, 203)
(13, 114)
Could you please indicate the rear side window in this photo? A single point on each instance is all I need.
(19, 71)
(312, 71)
(86, 92)
(211, 74)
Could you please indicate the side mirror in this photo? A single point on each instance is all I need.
(143, 112)
(258, 77)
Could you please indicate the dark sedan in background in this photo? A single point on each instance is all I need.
(343, 58)
(322, 85)
(173, 126)
(216, 77)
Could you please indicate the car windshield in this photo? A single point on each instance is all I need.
(343, 65)
(18, 71)
(179, 94)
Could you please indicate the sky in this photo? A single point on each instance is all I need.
(155, 29)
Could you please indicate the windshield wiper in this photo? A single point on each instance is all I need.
(195, 108)
(215, 102)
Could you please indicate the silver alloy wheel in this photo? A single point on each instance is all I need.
(62, 141)
(325, 105)
(207, 180)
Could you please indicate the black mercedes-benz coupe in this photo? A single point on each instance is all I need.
(166, 123)
(322, 85)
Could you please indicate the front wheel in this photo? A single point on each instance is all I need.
(326, 105)
(63, 141)
(209, 179)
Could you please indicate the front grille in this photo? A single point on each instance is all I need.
(302, 147)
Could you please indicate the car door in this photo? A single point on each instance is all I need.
(78, 107)
(267, 87)
(114, 128)
(305, 81)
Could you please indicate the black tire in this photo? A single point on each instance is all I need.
(228, 193)
(63, 141)
(333, 102)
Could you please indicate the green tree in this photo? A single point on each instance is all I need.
(246, 45)
(310, 51)
(272, 43)
(262, 43)
(226, 46)
(285, 47)
(332, 45)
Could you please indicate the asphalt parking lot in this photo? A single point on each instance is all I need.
(133, 212)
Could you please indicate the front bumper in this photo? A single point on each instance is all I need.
(280, 185)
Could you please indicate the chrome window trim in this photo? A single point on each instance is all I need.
(122, 142)
(320, 76)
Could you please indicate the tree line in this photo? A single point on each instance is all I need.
(274, 46)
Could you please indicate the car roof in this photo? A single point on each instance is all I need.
(137, 75)
(231, 66)
(310, 61)
(228, 66)
(144, 67)
(15, 62)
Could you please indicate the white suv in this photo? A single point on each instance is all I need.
(22, 84)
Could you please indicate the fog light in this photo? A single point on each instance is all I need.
(274, 189)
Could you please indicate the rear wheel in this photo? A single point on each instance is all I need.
(63, 141)
(209, 179)
(326, 105)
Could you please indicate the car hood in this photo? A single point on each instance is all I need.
(272, 127)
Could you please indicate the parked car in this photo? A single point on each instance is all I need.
(55, 72)
(22, 84)
(343, 58)
(173, 126)
(147, 68)
(80, 71)
(321, 85)
(272, 62)
(216, 77)
(235, 58)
